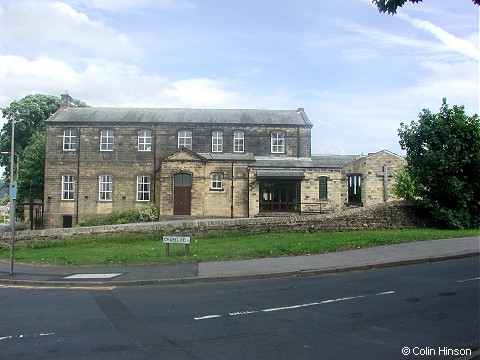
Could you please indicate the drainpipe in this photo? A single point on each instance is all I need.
(231, 205)
(155, 163)
(78, 178)
(298, 142)
(248, 192)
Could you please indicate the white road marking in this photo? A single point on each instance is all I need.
(207, 317)
(23, 336)
(92, 276)
(42, 287)
(284, 308)
(461, 281)
(386, 293)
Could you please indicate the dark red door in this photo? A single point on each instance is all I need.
(182, 195)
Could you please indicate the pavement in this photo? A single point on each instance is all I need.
(213, 271)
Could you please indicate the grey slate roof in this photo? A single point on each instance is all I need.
(334, 161)
(316, 161)
(165, 115)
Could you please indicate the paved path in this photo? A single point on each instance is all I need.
(188, 273)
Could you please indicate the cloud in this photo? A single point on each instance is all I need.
(40, 27)
(452, 42)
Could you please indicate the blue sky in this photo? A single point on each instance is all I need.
(357, 73)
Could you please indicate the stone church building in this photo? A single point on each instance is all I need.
(200, 163)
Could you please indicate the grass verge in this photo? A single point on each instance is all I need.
(126, 248)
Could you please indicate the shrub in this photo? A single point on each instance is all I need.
(147, 214)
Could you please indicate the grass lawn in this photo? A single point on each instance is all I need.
(126, 248)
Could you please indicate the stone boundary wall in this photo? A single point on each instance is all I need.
(391, 215)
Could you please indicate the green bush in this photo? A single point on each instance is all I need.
(147, 214)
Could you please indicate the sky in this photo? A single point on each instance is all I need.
(357, 73)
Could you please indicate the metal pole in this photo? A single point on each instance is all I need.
(12, 201)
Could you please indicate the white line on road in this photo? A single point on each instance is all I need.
(461, 281)
(92, 276)
(386, 293)
(23, 336)
(285, 308)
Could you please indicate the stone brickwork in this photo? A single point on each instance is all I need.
(373, 181)
(239, 193)
(392, 215)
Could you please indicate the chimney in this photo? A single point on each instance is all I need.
(65, 100)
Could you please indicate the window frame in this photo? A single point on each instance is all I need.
(69, 145)
(323, 187)
(277, 142)
(144, 140)
(216, 182)
(68, 187)
(217, 141)
(105, 188)
(105, 136)
(354, 188)
(141, 191)
(239, 141)
(185, 135)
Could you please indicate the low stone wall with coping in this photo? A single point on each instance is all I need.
(391, 215)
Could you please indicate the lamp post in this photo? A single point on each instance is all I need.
(12, 193)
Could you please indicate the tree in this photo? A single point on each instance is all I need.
(31, 175)
(30, 114)
(391, 6)
(443, 163)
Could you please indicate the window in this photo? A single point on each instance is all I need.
(105, 187)
(143, 188)
(354, 188)
(70, 140)
(323, 187)
(216, 181)
(68, 187)
(238, 141)
(185, 139)
(145, 140)
(277, 143)
(106, 140)
(217, 141)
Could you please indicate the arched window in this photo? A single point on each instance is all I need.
(238, 141)
(217, 141)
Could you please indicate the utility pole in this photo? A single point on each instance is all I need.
(12, 194)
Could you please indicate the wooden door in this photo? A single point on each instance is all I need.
(182, 194)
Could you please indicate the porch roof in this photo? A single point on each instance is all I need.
(280, 174)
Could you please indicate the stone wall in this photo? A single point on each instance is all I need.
(392, 215)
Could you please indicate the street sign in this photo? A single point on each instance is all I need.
(12, 193)
(176, 239)
(185, 240)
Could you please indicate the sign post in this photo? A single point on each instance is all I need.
(167, 240)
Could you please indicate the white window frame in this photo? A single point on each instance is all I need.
(106, 140)
(69, 140)
(143, 188)
(238, 141)
(217, 181)
(277, 143)
(105, 188)
(145, 140)
(68, 187)
(217, 141)
(184, 139)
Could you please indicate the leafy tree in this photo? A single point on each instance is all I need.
(30, 114)
(31, 175)
(443, 163)
(403, 185)
(391, 6)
